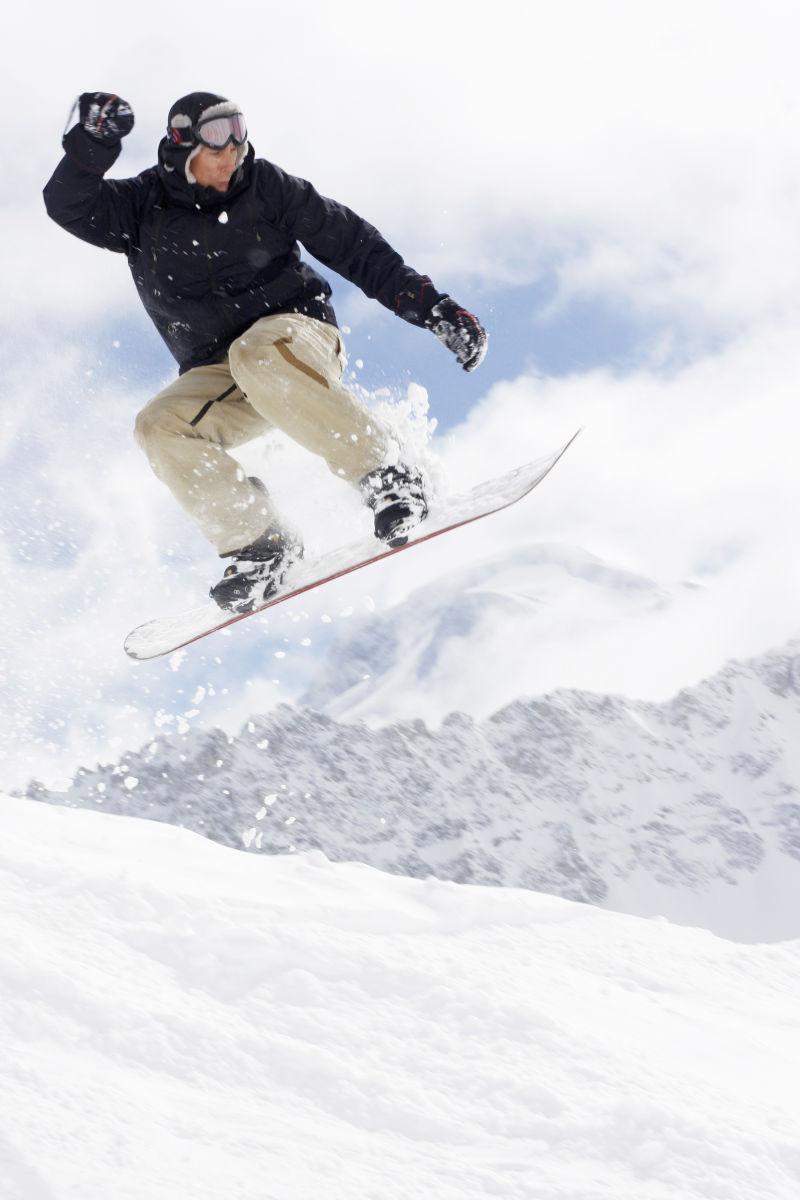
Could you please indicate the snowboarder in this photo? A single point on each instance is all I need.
(211, 236)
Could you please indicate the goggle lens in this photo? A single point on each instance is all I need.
(218, 131)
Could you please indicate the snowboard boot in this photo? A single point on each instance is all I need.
(256, 572)
(397, 498)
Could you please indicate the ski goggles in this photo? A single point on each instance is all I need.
(214, 132)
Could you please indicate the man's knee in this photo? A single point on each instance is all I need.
(144, 427)
(154, 422)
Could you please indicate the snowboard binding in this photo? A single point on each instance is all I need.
(397, 498)
(256, 572)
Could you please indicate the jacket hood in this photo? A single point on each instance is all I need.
(175, 157)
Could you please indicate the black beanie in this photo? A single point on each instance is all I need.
(185, 114)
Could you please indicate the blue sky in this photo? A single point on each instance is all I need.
(613, 187)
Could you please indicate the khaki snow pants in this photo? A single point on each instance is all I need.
(285, 373)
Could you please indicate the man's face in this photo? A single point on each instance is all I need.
(213, 168)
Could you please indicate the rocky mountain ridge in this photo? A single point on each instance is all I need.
(689, 809)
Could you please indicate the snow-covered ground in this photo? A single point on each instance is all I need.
(182, 1020)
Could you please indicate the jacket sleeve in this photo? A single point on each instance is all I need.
(104, 212)
(349, 245)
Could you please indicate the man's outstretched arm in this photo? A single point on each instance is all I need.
(349, 245)
(103, 212)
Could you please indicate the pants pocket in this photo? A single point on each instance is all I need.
(288, 353)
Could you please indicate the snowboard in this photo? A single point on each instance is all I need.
(165, 635)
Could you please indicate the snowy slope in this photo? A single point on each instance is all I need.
(687, 809)
(180, 1021)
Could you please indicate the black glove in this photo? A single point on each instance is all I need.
(105, 118)
(459, 331)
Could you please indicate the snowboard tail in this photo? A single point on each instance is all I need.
(165, 635)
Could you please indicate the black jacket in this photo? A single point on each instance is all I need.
(207, 264)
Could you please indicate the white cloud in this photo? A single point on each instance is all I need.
(669, 465)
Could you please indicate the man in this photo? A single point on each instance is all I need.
(211, 236)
